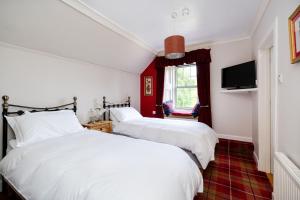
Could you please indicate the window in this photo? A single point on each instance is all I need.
(186, 87)
(181, 86)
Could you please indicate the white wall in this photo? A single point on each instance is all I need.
(39, 79)
(288, 91)
(231, 113)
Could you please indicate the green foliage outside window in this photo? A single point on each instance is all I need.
(186, 87)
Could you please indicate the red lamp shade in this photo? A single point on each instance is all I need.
(174, 47)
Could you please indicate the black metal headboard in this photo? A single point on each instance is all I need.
(6, 112)
(108, 105)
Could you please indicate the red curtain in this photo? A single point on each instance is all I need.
(160, 78)
(202, 59)
(200, 55)
(203, 86)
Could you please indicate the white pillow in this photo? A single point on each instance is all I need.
(40, 126)
(125, 113)
(112, 117)
(114, 120)
(12, 121)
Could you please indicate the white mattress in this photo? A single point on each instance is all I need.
(92, 165)
(196, 137)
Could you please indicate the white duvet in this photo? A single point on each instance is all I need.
(196, 137)
(99, 166)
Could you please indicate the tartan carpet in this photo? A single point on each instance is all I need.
(233, 175)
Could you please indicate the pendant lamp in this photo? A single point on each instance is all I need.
(174, 47)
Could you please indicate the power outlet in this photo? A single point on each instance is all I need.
(154, 112)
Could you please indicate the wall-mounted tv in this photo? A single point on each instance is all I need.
(240, 76)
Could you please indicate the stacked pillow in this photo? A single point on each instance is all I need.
(34, 127)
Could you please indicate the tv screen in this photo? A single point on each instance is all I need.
(240, 76)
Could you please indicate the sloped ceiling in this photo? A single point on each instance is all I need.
(124, 35)
(52, 26)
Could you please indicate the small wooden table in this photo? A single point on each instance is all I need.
(104, 126)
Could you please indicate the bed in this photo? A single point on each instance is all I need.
(195, 137)
(91, 165)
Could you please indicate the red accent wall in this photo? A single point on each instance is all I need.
(148, 102)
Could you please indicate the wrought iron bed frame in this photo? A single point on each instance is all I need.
(108, 105)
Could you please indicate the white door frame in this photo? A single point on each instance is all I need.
(266, 122)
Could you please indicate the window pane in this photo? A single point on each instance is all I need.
(186, 97)
(186, 76)
(194, 72)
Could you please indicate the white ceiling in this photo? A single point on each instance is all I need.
(120, 34)
(209, 20)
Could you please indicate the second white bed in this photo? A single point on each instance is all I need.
(196, 137)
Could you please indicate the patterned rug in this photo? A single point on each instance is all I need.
(233, 175)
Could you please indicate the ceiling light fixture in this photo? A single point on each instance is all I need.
(175, 44)
(174, 47)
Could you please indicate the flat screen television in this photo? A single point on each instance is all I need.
(240, 76)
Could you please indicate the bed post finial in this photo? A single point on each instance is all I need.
(5, 102)
(5, 105)
(75, 104)
(75, 100)
(104, 102)
(104, 107)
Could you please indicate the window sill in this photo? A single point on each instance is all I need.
(189, 118)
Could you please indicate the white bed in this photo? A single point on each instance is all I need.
(54, 158)
(193, 136)
(92, 165)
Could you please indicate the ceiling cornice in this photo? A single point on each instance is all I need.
(103, 20)
(259, 15)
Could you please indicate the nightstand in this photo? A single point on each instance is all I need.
(104, 126)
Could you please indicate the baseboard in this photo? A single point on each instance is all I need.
(234, 137)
